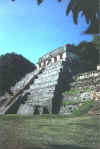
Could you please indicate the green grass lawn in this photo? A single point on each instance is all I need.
(49, 132)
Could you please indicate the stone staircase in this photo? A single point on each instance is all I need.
(8, 100)
(38, 92)
(42, 91)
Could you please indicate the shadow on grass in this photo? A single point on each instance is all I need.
(47, 147)
(67, 147)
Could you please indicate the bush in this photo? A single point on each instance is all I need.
(12, 68)
(84, 108)
(76, 91)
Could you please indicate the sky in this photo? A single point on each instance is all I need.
(32, 30)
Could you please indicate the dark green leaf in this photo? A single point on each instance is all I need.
(39, 1)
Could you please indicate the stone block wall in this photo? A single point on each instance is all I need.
(8, 100)
(44, 91)
(81, 91)
(40, 92)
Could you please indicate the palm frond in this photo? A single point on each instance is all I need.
(39, 1)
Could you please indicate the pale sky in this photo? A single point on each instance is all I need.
(32, 30)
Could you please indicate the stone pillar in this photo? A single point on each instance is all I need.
(55, 59)
(61, 56)
(46, 62)
(25, 109)
(42, 64)
(41, 110)
(50, 106)
(58, 57)
(65, 47)
(98, 67)
(37, 65)
(36, 110)
(64, 56)
(52, 60)
(33, 110)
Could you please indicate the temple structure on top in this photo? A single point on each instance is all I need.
(40, 91)
(59, 54)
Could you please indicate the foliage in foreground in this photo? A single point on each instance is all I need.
(92, 14)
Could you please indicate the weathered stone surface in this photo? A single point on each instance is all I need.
(68, 109)
(82, 90)
(41, 91)
(85, 96)
(17, 92)
(25, 109)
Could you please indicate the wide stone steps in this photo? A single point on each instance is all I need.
(50, 89)
(49, 74)
(38, 95)
(35, 97)
(36, 88)
(24, 81)
(41, 103)
(18, 90)
(47, 91)
(41, 85)
(43, 77)
(52, 69)
(46, 80)
(43, 88)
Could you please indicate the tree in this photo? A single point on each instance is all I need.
(89, 8)
(13, 67)
(96, 43)
(88, 54)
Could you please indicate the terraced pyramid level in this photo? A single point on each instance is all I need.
(40, 91)
(10, 102)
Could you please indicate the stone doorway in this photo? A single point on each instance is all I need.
(45, 110)
(36, 111)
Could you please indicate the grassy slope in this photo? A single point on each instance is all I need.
(53, 132)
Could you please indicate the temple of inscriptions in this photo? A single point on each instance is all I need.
(40, 92)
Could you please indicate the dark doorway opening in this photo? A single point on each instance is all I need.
(45, 110)
(37, 110)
